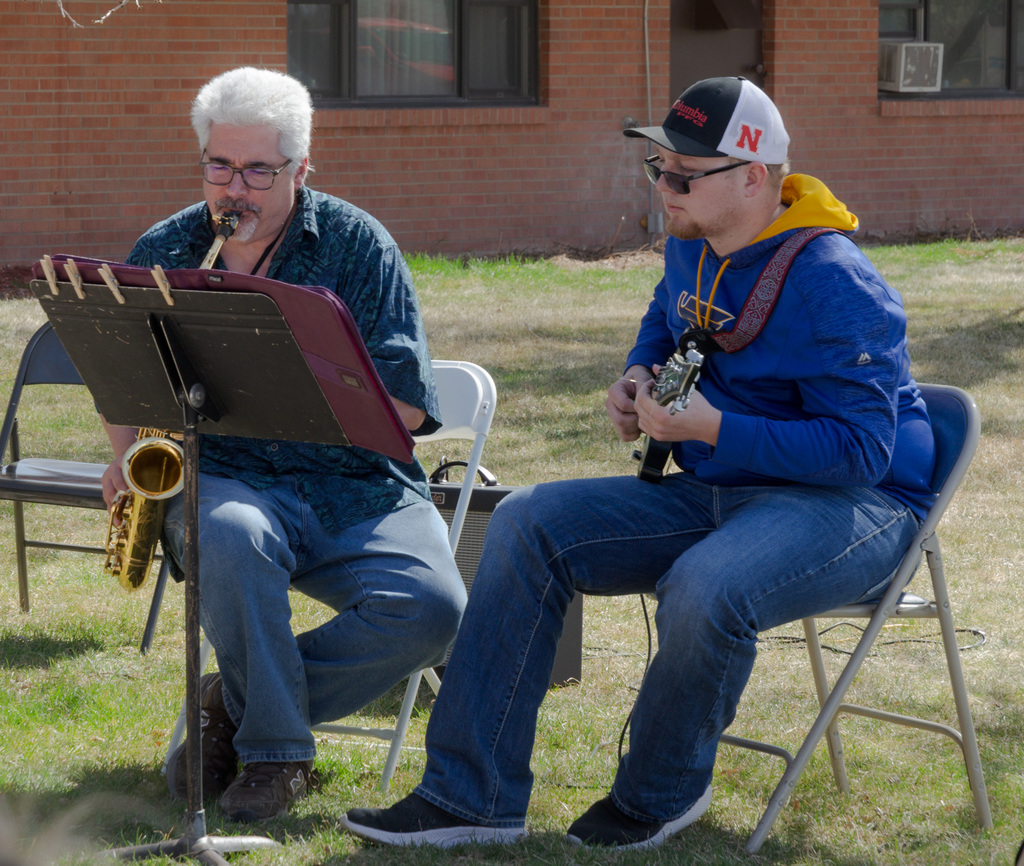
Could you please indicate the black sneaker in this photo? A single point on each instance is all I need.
(605, 824)
(220, 760)
(415, 821)
(265, 789)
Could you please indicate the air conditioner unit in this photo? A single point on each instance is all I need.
(910, 67)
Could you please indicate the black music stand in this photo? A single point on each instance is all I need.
(228, 360)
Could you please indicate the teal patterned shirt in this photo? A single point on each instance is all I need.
(333, 244)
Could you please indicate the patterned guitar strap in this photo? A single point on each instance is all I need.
(760, 302)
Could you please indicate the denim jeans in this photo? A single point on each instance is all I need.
(392, 582)
(724, 563)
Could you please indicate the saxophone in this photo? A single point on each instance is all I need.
(153, 469)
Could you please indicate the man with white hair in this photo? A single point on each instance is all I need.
(805, 452)
(349, 527)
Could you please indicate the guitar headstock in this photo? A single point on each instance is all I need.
(676, 379)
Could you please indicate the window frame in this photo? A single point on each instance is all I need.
(467, 93)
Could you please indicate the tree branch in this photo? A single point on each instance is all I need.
(65, 14)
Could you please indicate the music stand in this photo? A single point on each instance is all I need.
(162, 356)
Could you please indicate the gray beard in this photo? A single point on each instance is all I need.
(246, 229)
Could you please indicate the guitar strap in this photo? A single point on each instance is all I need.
(760, 302)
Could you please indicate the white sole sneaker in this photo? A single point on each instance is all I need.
(415, 821)
(443, 837)
(667, 829)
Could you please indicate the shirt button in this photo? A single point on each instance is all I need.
(273, 446)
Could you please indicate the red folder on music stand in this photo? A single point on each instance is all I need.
(102, 309)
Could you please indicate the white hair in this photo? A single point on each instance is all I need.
(248, 96)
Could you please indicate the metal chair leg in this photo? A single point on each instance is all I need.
(19, 544)
(969, 744)
(401, 725)
(154, 607)
(832, 738)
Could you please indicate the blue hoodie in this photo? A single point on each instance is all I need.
(823, 395)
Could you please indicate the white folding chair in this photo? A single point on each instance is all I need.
(467, 397)
(956, 425)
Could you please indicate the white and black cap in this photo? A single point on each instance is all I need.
(722, 117)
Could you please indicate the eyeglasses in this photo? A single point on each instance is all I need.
(253, 177)
(680, 183)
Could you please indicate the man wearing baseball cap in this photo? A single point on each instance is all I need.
(804, 456)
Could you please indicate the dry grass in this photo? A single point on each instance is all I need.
(84, 716)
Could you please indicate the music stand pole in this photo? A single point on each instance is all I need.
(194, 844)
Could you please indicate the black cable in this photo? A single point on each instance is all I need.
(600, 652)
(647, 664)
(794, 640)
(979, 635)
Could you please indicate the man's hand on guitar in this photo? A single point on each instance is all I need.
(701, 421)
(620, 402)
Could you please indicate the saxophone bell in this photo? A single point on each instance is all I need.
(153, 467)
(153, 470)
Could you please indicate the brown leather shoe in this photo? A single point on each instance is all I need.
(264, 789)
(220, 760)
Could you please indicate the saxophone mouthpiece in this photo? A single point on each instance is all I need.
(227, 222)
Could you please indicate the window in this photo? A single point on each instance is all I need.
(983, 40)
(901, 20)
(414, 51)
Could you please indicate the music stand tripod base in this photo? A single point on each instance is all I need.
(202, 849)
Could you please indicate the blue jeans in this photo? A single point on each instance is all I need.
(392, 582)
(724, 563)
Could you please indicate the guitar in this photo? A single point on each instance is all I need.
(672, 387)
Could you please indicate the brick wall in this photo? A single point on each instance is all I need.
(96, 146)
(96, 143)
(902, 165)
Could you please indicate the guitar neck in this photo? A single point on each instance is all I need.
(672, 387)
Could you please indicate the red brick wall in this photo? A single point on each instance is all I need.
(95, 142)
(96, 145)
(902, 165)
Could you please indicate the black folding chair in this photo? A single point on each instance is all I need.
(45, 480)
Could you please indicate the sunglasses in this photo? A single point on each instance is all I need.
(680, 183)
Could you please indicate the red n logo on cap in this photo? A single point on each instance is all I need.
(748, 138)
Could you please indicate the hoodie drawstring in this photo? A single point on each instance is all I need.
(714, 288)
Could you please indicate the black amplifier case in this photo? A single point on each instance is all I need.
(569, 658)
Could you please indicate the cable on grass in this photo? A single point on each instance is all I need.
(977, 633)
(600, 652)
(795, 640)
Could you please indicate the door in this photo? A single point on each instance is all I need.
(711, 38)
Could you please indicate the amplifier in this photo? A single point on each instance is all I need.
(569, 657)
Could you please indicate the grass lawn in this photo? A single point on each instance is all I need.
(85, 720)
